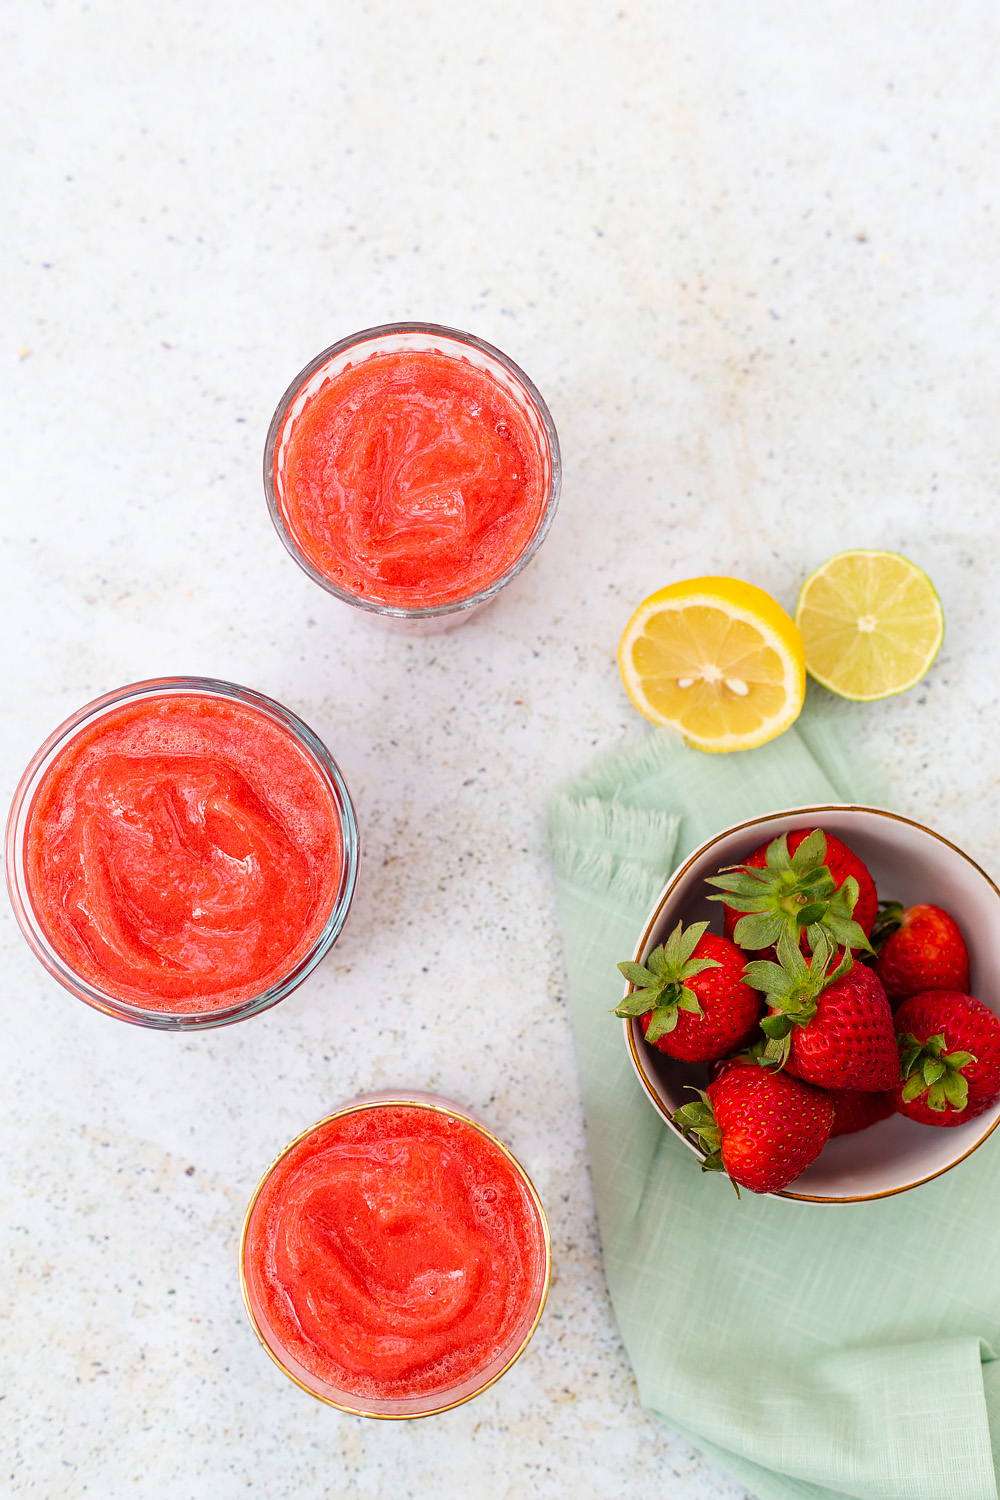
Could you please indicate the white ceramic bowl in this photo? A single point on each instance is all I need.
(908, 863)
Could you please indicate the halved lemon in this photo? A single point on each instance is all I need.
(717, 659)
(871, 622)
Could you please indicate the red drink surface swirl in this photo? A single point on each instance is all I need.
(394, 1252)
(183, 852)
(413, 479)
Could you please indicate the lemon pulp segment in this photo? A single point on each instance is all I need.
(871, 622)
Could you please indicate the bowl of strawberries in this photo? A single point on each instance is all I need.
(813, 1005)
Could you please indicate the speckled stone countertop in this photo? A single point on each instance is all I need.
(749, 256)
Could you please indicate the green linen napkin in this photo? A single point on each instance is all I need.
(814, 1350)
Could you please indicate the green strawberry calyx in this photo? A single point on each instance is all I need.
(888, 921)
(697, 1123)
(752, 1053)
(928, 1069)
(660, 985)
(792, 987)
(792, 893)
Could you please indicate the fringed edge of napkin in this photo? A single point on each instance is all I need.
(587, 836)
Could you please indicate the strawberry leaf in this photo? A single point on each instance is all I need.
(737, 881)
(636, 974)
(758, 930)
(777, 1050)
(847, 933)
(635, 1004)
(682, 942)
(811, 852)
(663, 1021)
(791, 958)
(812, 915)
(748, 904)
(956, 1090)
(688, 1000)
(694, 1115)
(777, 856)
(698, 965)
(909, 1051)
(762, 974)
(844, 967)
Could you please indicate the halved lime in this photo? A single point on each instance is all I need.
(871, 622)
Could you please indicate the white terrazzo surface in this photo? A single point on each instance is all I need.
(749, 255)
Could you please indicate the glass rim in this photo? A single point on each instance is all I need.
(17, 883)
(430, 611)
(439, 1104)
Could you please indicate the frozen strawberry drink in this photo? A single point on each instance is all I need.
(182, 852)
(412, 470)
(395, 1258)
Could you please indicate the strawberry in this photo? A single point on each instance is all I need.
(949, 1047)
(691, 996)
(834, 1030)
(919, 948)
(856, 1109)
(803, 883)
(762, 1127)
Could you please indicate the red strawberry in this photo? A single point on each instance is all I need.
(802, 883)
(691, 996)
(762, 1127)
(949, 1046)
(856, 1109)
(834, 1030)
(919, 948)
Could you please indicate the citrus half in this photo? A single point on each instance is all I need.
(871, 622)
(717, 659)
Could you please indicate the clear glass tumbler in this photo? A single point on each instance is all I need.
(151, 846)
(397, 451)
(363, 1251)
